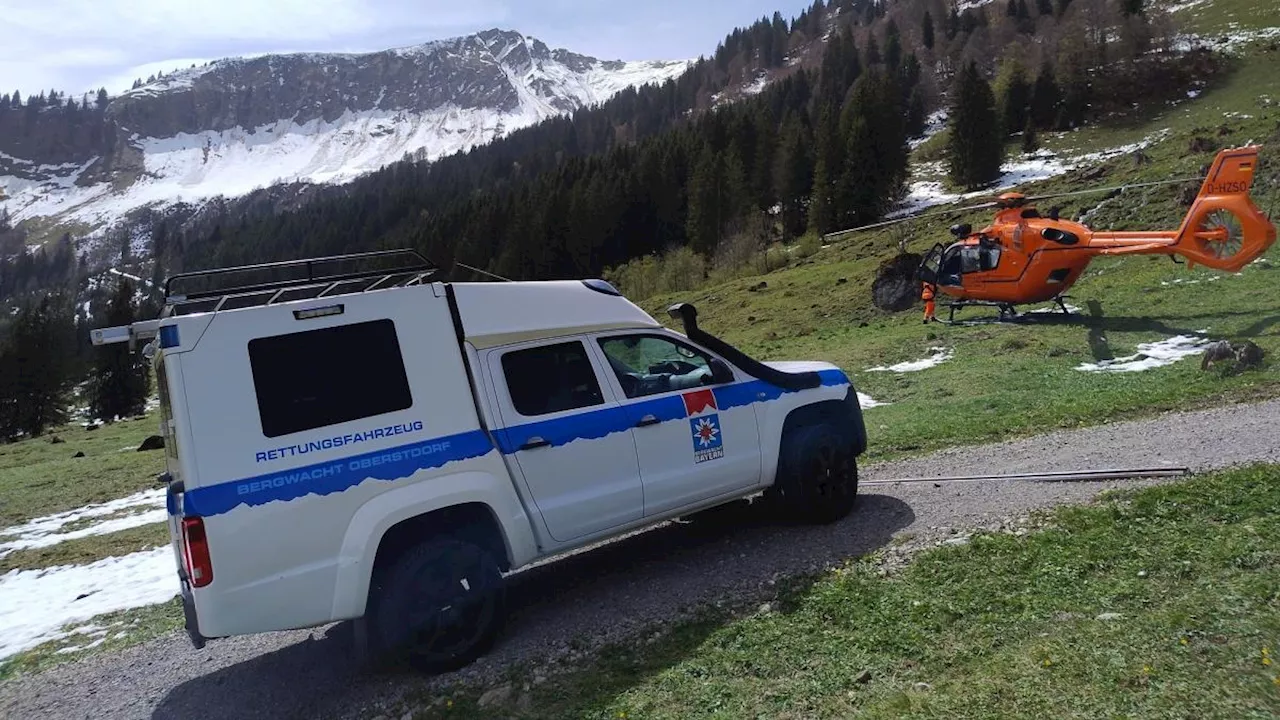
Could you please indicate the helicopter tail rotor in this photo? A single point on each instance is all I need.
(1224, 230)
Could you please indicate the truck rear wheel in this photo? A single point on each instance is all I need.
(437, 607)
(817, 475)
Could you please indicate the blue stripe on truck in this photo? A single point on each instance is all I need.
(397, 463)
(337, 475)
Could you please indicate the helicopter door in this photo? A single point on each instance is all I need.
(931, 265)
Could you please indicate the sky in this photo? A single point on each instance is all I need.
(79, 45)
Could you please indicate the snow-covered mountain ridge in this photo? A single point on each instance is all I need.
(239, 124)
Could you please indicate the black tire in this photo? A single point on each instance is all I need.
(817, 479)
(437, 607)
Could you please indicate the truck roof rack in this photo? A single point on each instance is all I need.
(267, 283)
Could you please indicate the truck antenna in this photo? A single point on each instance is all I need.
(482, 272)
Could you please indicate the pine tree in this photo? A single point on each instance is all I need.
(1045, 99)
(873, 53)
(926, 28)
(1073, 82)
(1030, 143)
(762, 184)
(892, 46)
(103, 100)
(976, 150)
(827, 168)
(1044, 7)
(1013, 94)
(857, 193)
(36, 367)
(915, 113)
(706, 192)
(17, 99)
(735, 200)
(121, 379)
(793, 174)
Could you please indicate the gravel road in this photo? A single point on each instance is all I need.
(622, 590)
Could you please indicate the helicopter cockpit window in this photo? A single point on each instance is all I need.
(979, 258)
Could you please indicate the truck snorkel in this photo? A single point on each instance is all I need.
(688, 315)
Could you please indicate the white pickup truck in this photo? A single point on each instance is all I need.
(377, 445)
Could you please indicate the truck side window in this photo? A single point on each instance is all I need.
(649, 365)
(551, 379)
(316, 378)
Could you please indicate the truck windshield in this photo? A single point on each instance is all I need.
(647, 365)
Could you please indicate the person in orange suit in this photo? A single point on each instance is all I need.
(927, 296)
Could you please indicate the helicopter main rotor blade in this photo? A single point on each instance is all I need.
(996, 203)
(1033, 198)
(906, 218)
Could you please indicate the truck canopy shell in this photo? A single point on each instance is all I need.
(496, 314)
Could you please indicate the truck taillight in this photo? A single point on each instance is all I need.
(195, 551)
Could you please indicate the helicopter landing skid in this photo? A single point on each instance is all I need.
(1008, 311)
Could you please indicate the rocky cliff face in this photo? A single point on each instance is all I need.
(239, 124)
(473, 72)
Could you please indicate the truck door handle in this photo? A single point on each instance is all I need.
(534, 443)
(647, 420)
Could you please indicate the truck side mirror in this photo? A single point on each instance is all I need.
(720, 373)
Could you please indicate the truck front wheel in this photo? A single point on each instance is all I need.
(437, 607)
(817, 475)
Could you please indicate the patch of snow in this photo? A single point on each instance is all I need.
(1151, 355)
(1230, 42)
(940, 355)
(757, 86)
(1040, 165)
(933, 124)
(127, 276)
(866, 401)
(971, 4)
(39, 603)
(1185, 5)
(77, 648)
(45, 531)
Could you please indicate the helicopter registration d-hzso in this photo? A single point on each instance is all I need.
(1023, 257)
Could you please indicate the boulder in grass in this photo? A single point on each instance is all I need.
(1231, 358)
(896, 287)
(155, 442)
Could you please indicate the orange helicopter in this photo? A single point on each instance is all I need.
(1024, 258)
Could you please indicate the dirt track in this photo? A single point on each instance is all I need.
(618, 591)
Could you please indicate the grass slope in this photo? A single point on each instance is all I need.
(39, 477)
(1160, 603)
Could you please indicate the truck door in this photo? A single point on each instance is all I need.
(695, 440)
(569, 436)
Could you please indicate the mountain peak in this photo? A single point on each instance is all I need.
(237, 124)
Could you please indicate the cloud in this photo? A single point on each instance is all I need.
(73, 44)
